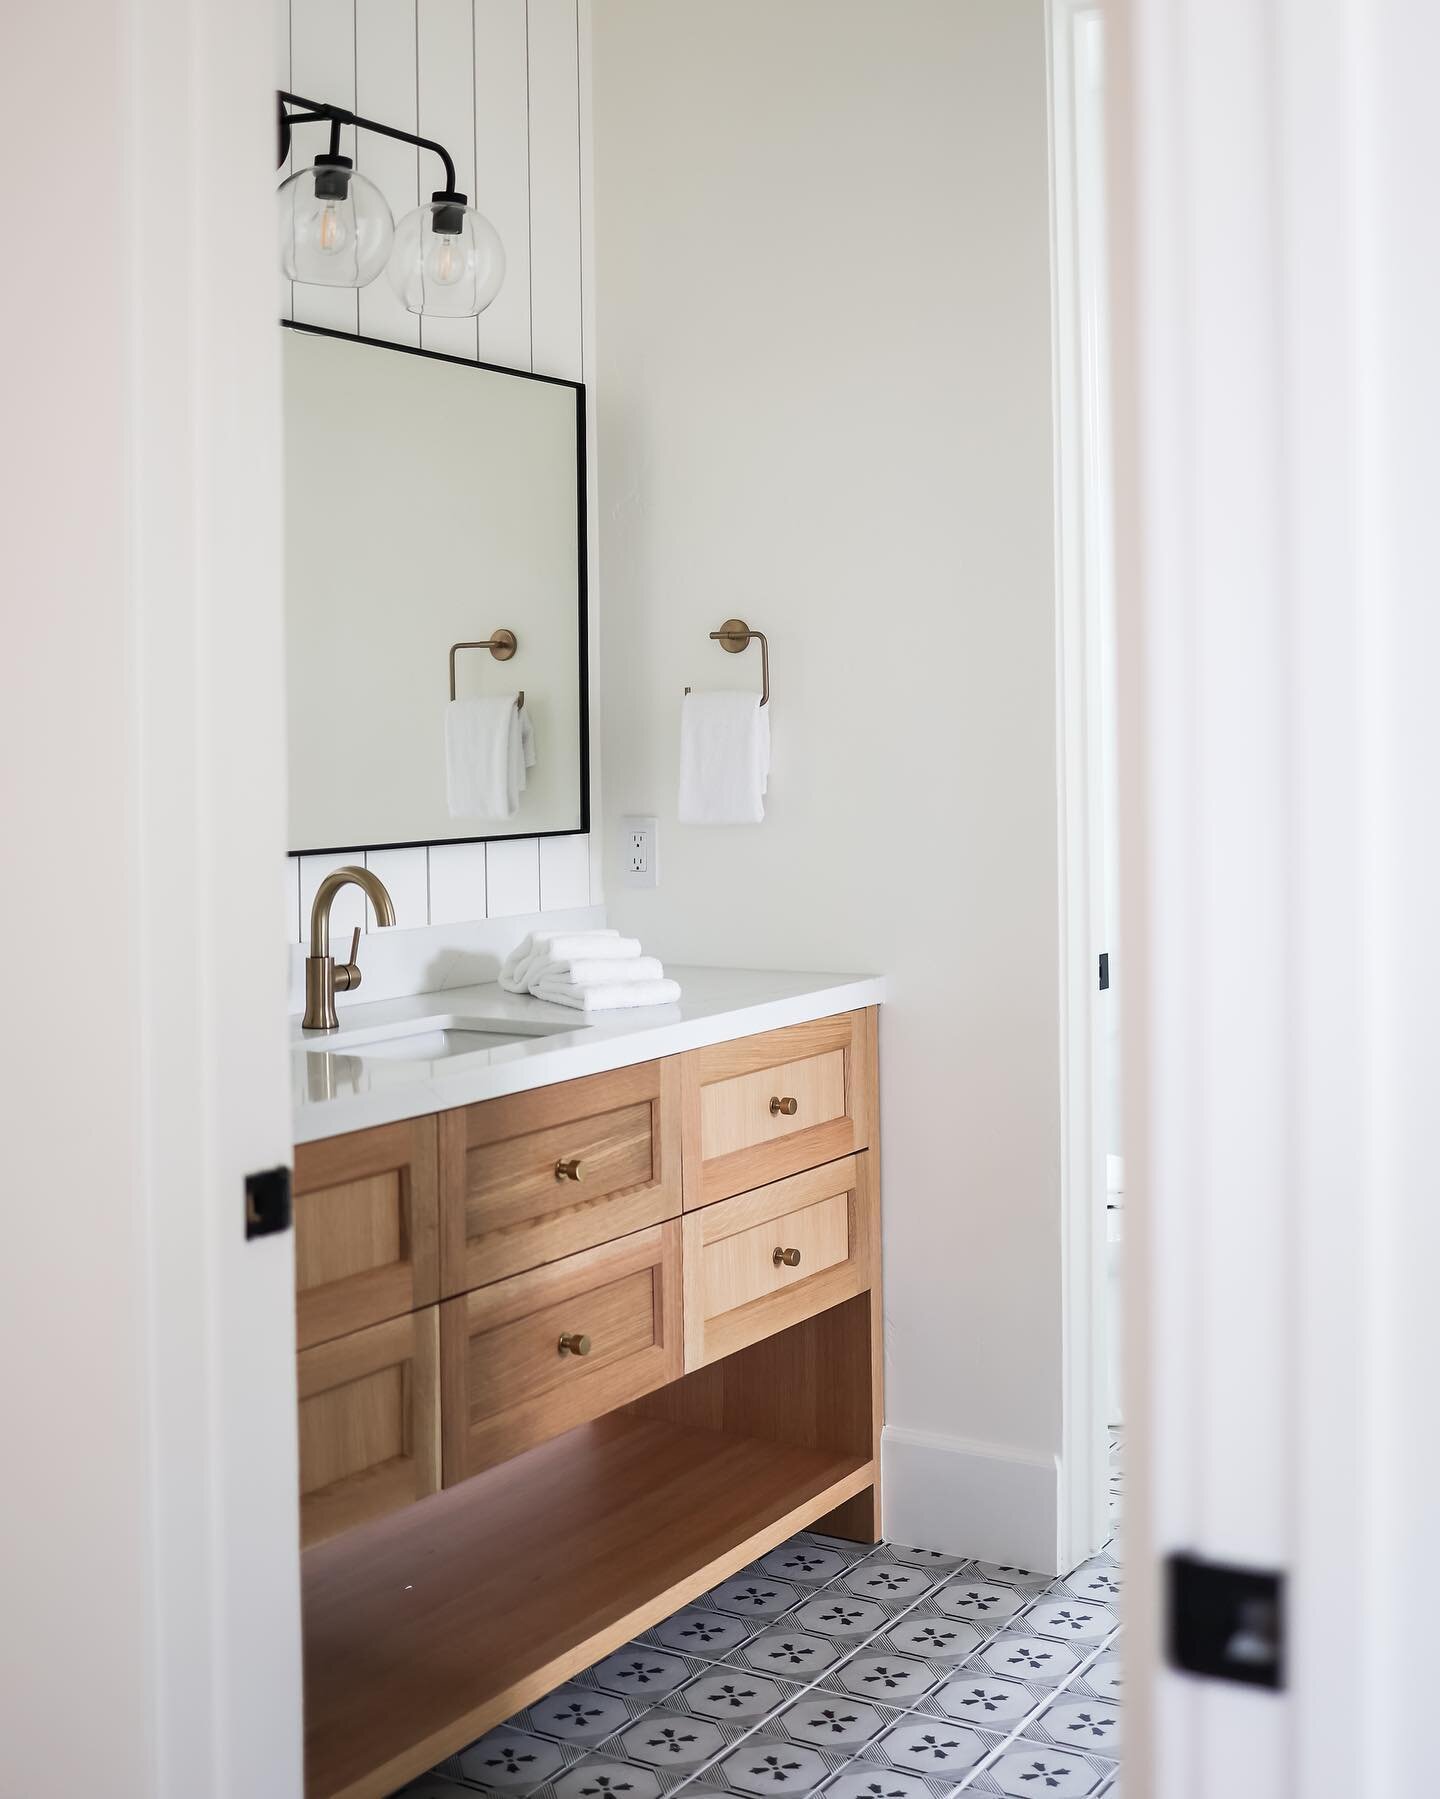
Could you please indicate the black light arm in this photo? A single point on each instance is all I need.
(318, 110)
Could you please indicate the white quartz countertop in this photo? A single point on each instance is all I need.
(338, 1091)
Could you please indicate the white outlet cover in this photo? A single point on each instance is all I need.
(639, 852)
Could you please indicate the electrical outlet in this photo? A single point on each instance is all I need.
(639, 852)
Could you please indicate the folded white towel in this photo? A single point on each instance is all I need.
(595, 971)
(546, 946)
(724, 758)
(489, 744)
(609, 997)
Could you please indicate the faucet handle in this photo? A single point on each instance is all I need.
(347, 973)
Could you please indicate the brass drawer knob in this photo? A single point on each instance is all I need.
(574, 1343)
(786, 1258)
(570, 1169)
(784, 1108)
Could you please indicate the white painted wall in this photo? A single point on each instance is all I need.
(824, 397)
(498, 82)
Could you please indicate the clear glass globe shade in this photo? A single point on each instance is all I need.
(450, 274)
(335, 227)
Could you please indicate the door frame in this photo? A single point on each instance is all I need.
(1083, 1496)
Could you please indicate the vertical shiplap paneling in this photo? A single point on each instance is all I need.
(555, 292)
(445, 69)
(502, 172)
(322, 67)
(385, 90)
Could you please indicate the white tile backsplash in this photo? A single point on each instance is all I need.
(564, 872)
(513, 877)
(407, 880)
(457, 882)
(348, 910)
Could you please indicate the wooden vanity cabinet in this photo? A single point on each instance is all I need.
(621, 1335)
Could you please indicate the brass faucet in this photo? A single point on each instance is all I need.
(322, 977)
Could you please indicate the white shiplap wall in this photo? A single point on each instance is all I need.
(498, 82)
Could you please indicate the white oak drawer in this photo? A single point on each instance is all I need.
(536, 1176)
(765, 1107)
(526, 1358)
(762, 1261)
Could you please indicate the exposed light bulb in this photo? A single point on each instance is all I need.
(446, 262)
(334, 234)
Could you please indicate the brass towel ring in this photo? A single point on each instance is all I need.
(502, 645)
(735, 635)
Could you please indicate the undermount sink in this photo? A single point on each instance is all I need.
(432, 1038)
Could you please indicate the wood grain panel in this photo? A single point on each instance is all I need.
(507, 1386)
(742, 1266)
(366, 1228)
(829, 1212)
(369, 1423)
(576, 1546)
(504, 1210)
(732, 1142)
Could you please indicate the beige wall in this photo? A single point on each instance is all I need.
(824, 399)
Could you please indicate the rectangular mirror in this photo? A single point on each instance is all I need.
(429, 502)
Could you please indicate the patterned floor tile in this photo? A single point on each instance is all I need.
(829, 1720)
(933, 1747)
(880, 1576)
(1092, 1725)
(675, 1744)
(755, 1596)
(1102, 1678)
(795, 1654)
(430, 1786)
(864, 1779)
(600, 1776)
(579, 1714)
(839, 1615)
(512, 1762)
(1071, 1620)
(933, 1559)
(808, 1561)
(989, 1701)
(894, 1679)
(983, 1603)
(641, 1673)
(1024, 1580)
(767, 1763)
(733, 1695)
(930, 1636)
(1024, 1656)
(1099, 1580)
(699, 1630)
(1024, 1769)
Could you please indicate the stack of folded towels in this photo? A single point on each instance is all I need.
(593, 971)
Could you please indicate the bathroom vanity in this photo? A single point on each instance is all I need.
(586, 1322)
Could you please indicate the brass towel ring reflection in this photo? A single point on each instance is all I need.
(735, 635)
(502, 645)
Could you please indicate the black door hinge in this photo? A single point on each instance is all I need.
(1226, 1623)
(1104, 970)
(268, 1205)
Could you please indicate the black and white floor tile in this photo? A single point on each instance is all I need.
(827, 1669)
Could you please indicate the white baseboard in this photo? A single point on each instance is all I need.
(970, 1499)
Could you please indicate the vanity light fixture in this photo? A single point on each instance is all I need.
(337, 230)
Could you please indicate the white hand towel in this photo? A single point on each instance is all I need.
(610, 997)
(543, 946)
(724, 758)
(484, 757)
(595, 971)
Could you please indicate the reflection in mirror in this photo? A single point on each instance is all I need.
(431, 503)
